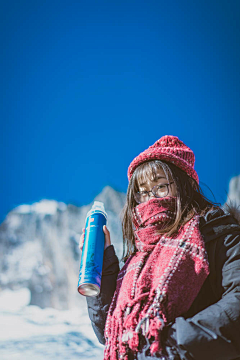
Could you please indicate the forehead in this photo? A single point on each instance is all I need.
(150, 173)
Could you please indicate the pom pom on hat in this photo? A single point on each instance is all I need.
(168, 148)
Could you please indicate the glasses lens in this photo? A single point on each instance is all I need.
(160, 190)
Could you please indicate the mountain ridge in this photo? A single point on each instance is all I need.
(39, 247)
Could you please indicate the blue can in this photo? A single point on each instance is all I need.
(90, 273)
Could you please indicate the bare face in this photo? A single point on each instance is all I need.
(161, 179)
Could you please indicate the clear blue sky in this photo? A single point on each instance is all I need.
(87, 85)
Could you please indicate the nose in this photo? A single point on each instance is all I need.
(150, 195)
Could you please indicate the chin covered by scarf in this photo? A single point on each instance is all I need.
(158, 283)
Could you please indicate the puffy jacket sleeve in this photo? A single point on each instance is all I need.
(98, 305)
(214, 333)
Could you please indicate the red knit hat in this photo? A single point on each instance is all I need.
(168, 148)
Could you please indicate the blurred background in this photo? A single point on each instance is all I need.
(86, 86)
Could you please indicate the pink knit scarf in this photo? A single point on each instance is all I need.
(156, 284)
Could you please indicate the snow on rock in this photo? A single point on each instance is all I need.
(44, 206)
(14, 300)
(234, 191)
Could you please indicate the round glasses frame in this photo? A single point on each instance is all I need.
(138, 195)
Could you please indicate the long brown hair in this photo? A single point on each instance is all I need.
(190, 200)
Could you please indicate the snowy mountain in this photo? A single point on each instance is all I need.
(39, 248)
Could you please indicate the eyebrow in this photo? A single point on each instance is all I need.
(158, 177)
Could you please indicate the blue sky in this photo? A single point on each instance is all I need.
(87, 85)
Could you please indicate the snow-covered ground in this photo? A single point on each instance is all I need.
(29, 332)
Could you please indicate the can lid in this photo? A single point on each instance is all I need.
(98, 205)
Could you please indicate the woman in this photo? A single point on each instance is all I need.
(178, 294)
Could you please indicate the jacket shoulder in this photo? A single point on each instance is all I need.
(219, 221)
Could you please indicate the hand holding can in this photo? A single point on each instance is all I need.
(107, 238)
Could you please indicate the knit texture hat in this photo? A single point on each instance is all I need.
(168, 148)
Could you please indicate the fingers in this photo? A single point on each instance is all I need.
(107, 237)
(81, 241)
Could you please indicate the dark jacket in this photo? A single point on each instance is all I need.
(211, 327)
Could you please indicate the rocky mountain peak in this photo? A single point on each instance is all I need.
(113, 200)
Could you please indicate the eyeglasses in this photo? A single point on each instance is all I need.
(158, 191)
